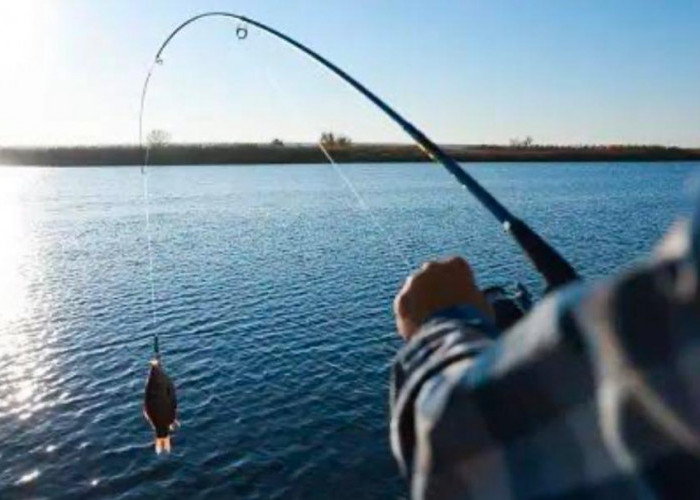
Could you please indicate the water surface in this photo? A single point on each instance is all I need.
(272, 291)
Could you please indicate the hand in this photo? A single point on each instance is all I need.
(437, 286)
(676, 243)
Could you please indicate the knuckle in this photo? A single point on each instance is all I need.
(459, 263)
(397, 299)
(401, 304)
(408, 283)
(429, 266)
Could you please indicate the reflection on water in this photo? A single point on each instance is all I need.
(28, 477)
(273, 306)
(15, 249)
(22, 367)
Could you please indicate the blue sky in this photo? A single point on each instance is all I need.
(470, 71)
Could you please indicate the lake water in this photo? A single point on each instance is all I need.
(273, 288)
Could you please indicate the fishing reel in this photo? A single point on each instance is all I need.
(510, 303)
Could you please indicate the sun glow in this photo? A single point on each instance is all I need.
(21, 35)
(24, 44)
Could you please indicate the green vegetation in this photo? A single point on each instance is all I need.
(278, 152)
(158, 138)
(331, 140)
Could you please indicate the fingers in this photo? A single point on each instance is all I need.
(438, 274)
(436, 286)
(676, 242)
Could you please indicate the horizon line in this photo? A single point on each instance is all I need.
(351, 144)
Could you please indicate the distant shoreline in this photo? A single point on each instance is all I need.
(257, 154)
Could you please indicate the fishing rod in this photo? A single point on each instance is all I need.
(554, 268)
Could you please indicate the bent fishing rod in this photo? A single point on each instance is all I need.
(554, 268)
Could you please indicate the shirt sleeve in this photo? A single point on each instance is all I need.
(452, 336)
(596, 393)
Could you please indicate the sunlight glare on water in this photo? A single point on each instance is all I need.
(15, 242)
(28, 477)
(20, 366)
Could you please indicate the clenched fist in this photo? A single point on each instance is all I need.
(437, 286)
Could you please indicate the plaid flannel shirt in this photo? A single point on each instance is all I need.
(595, 394)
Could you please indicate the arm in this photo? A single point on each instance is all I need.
(448, 339)
(462, 399)
(593, 393)
(447, 322)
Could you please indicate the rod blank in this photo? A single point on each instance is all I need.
(555, 270)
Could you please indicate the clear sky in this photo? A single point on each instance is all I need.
(465, 71)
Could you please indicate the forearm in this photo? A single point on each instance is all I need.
(451, 337)
(461, 398)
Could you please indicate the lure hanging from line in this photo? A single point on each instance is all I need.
(160, 403)
(160, 400)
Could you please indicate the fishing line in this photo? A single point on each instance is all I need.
(147, 209)
(139, 339)
(391, 243)
(381, 229)
(554, 268)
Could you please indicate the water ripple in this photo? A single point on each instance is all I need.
(274, 311)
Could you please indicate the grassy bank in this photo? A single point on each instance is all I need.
(248, 154)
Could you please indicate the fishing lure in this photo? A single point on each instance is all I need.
(160, 401)
(160, 405)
